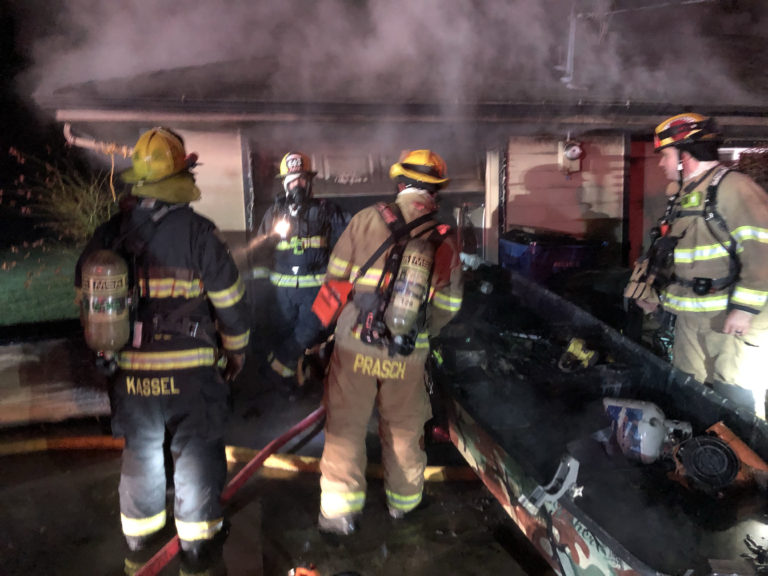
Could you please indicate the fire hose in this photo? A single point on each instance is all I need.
(169, 551)
(235, 454)
(108, 148)
(266, 457)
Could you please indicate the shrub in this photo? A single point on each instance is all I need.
(72, 204)
(67, 200)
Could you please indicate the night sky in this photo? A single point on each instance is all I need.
(22, 128)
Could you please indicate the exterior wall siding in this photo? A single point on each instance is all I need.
(585, 203)
(220, 178)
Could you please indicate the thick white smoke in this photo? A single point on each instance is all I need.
(454, 50)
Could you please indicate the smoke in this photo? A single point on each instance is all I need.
(406, 50)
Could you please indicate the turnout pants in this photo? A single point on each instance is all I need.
(734, 364)
(362, 376)
(192, 406)
(297, 325)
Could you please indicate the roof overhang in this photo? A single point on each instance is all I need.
(626, 117)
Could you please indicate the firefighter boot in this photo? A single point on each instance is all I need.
(140, 551)
(275, 376)
(135, 560)
(205, 558)
(139, 543)
(340, 526)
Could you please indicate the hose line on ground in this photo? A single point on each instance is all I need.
(235, 455)
(255, 459)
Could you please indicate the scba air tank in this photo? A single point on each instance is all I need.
(411, 286)
(104, 305)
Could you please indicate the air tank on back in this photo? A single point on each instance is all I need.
(104, 305)
(411, 286)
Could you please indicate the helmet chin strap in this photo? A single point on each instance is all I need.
(679, 170)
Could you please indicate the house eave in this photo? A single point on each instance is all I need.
(627, 116)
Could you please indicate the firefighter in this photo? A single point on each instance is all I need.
(306, 230)
(718, 224)
(189, 309)
(374, 362)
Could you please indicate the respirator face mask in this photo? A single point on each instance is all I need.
(297, 189)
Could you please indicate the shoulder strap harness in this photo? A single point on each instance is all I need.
(134, 242)
(373, 328)
(702, 286)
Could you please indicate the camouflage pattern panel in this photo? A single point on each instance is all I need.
(568, 540)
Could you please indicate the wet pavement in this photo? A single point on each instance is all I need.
(59, 508)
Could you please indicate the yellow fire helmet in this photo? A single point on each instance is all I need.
(158, 154)
(161, 168)
(421, 166)
(295, 163)
(682, 129)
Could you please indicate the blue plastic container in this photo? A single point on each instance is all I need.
(545, 256)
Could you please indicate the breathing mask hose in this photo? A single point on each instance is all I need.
(297, 195)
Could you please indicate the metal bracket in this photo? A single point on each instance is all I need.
(563, 481)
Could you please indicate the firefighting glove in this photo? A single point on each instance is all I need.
(233, 365)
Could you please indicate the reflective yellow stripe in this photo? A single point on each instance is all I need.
(335, 504)
(743, 233)
(446, 302)
(371, 277)
(279, 367)
(714, 251)
(704, 304)
(700, 253)
(337, 267)
(403, 502)
(172, 360)
(142, 526)
(422, 340)
(302, 243)
(204, 530)
(752, 298)
(229, 296)
(171, 288)
(296, 281)
(132, 566)
(235, 342)
(356, 331)
(310, 281)
(259, 272)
